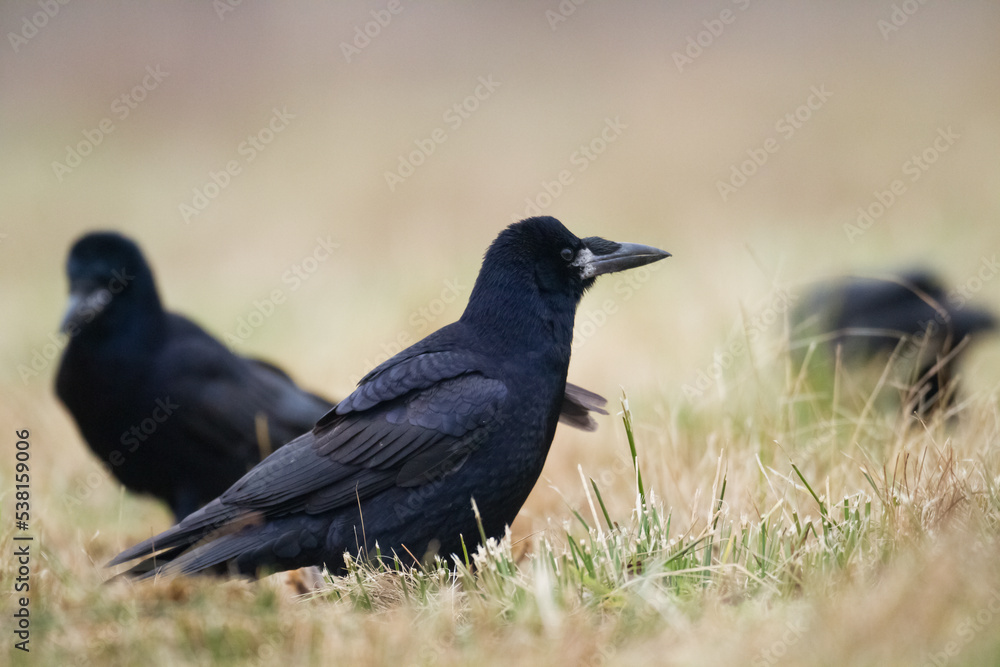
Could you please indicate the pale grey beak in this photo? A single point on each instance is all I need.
(604, 256)
(84, 305)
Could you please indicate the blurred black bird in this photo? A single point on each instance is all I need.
(468, 413)
(912, 315)
(170, 409)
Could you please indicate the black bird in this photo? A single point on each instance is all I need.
(170, 409)
(468, 413)
(912, 315)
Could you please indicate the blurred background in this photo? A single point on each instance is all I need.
(764, 144)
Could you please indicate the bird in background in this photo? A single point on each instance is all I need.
(912, 315)
(465, 416)
(170, 409)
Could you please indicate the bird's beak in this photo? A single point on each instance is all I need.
(85, 303)
(624, 256)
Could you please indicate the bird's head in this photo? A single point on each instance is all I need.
(104, 270)
(538, 265)
(560, 261)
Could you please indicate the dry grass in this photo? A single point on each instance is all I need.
(847, 533)
(882, 557)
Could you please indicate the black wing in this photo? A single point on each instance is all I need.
(403, 426)
(401, 441)
(577, 405)
(235, 408)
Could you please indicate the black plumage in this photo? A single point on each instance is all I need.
(170, 409)
(912, 316)
(467, 413)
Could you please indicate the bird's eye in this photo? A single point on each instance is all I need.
(567, 254)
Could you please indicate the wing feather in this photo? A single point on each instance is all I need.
(405, 425)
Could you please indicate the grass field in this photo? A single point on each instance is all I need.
(782, 518)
